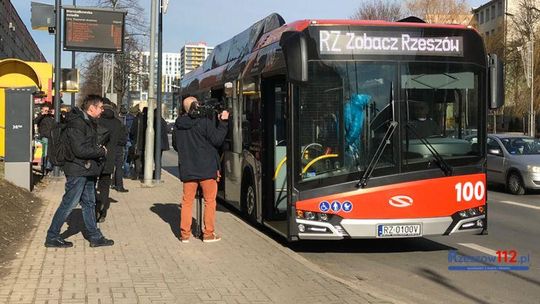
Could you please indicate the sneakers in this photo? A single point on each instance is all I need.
(101, 242)
(58, 243)
(122, 190)
(211, 238)
(184, 240)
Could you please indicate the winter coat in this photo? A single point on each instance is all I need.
(137, 133)
(129, 119)
(45, 124)
(81, 131)
(115, 128)
(197, 143)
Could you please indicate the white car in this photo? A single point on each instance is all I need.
(514, 161)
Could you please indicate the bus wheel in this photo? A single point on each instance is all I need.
(515, 184)
(249, 201)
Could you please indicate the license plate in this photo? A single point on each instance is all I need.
(392, 230)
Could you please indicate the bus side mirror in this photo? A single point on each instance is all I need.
(496, 82)
(294, 45)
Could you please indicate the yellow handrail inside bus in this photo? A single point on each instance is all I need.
(316, 160)
(279, 167)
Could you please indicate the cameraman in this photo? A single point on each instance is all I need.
(197, 143)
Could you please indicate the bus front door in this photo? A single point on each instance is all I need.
(274, 198)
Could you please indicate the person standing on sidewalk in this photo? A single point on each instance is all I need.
(45, 123)
(113, 126)
(81, 173)
(198, 140)
(118, 176)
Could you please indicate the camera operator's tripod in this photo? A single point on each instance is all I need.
(197, 231)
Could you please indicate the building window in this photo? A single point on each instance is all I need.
(493, 12)
(500, 11)
(488, 11)
(481, 20)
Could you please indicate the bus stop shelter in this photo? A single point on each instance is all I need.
(20, 84)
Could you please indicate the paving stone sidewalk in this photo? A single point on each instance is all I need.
(148, 264)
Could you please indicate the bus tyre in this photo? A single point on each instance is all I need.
(515, 184)
(249, 201)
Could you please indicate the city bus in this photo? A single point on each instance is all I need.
(345, 129)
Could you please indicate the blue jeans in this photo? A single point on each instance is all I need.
(78, 189)
(127, 165)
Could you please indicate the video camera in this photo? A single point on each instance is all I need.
(209, 108)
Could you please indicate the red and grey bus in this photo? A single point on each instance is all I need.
(354, 129)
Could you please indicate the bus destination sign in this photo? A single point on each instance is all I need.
(385, 43)
(94, 30)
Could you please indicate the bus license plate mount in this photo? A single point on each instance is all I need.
(399, 230)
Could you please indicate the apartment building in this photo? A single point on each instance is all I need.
(495, 17)
(192, 56)
(15, 39)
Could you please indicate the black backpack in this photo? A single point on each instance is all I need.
(59, 151)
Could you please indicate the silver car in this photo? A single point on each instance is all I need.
(514, 161)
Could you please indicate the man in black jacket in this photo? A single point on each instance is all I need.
(81, 172)
(45, 123)
(115, 129)
(138, 136)
(197, 142)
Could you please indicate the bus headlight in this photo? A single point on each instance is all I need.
(312, 216)
(472, 212)
(323, 217)
(309, 215)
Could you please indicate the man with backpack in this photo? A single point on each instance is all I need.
(82, 162)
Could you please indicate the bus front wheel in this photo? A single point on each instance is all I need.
(249, 200)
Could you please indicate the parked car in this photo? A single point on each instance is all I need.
(514, 161)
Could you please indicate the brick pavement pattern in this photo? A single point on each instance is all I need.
(148, 264)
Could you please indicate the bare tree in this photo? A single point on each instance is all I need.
(439, 11)
(388, 10)
(523, 26)
(126, 64)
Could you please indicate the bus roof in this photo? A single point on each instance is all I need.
(268, 31)
(301, 25)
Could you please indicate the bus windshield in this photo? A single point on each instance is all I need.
(346, 108)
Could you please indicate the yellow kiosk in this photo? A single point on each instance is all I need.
(15, 73)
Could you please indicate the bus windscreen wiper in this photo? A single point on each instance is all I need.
(375, 159)
(439, 160)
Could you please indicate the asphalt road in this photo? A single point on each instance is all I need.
(416, 270)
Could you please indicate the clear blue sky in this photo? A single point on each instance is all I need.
(212, 21)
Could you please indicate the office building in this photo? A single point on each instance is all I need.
(170, 72)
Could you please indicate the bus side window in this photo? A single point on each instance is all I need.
(251, 123)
